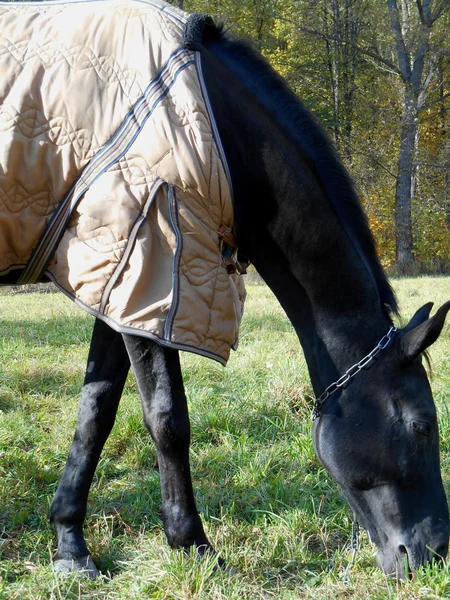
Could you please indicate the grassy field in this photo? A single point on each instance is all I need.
(268, 505)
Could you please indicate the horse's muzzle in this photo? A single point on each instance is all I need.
(402, 560)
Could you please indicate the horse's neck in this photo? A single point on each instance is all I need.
(286, 225)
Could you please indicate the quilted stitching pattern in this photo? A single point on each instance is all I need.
(80, 58)
(32, 123)
(16, 199)
(143, 258)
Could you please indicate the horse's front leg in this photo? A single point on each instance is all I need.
(158, 374)
(106, 373)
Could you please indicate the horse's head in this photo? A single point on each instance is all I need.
(379, 440)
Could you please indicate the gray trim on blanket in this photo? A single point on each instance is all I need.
(173, 212)
(134, 330)
(215, 131)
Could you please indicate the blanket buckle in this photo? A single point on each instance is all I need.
(232, 259)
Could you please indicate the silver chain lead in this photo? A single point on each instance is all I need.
(354, 547)
(354, 370)
(341, 382)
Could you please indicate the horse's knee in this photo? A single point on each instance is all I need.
(170, 432)
(66, 507)
(66, 513)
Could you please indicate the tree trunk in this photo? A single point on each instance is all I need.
(329, 28)
(411, 66)
(405, 184)
(341, 21)
(352, 20)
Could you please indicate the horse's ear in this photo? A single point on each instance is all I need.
(422, 331)
(419, 317)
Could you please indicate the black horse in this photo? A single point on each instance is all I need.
(299, 221)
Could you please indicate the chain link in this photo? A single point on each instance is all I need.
(350, 373)
(354, 547)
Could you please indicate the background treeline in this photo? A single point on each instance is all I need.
(377, 75)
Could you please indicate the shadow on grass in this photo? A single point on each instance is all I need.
(120, 512)
(7, 403)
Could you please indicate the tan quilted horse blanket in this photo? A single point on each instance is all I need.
(104, 121)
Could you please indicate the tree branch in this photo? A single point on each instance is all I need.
(426, 9)
(375, 160)
(447, 95)
(439, 10)
(425, 12)
(366, 51)
(425, 87)
(420, 9)
(423, 46)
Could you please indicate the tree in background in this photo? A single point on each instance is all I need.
(376, 74)
(412, 25)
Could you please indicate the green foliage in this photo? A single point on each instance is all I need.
(340, 58)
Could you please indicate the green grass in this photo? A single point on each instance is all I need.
(268, 505)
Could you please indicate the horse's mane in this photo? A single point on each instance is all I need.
(315, 146)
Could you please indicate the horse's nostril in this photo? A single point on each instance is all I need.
(404, 560)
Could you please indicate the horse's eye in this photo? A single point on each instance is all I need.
(421, 427)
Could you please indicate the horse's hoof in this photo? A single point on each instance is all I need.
(220, 565)
(229, 570)
(84, 566)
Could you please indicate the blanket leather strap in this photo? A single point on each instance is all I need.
(104, 159)
(232, 258)
(227, 236)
